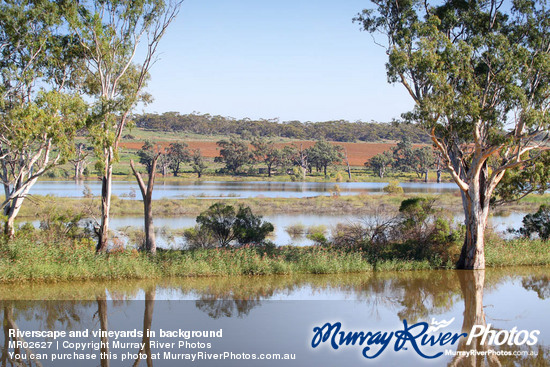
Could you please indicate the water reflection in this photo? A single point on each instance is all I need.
(168, 230)
(539, 284)
(147, 322)
(378, 301)
(228, 189)
(472, 284)
(104, 326)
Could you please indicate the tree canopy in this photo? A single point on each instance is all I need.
(479, 74)
(40, 111)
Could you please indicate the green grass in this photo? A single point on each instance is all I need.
(33, 256)
(42, 206)
(517, 252)
(357, 205)
(77, 260)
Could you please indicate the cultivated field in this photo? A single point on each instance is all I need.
(358, 153)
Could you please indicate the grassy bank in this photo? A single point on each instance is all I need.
(30, 258)
(517, 252)
(44, 206)
(353, 204)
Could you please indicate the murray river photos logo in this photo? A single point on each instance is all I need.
(419, 337)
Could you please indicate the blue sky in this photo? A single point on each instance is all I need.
(287, 59)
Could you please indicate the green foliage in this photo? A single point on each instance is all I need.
(517, 252)
(537, 223)
(198, 237)
(317, 234)
(393, 188)
(296, 230)
(227, 225)
(341, 131)
(219, 219)
(109, 33)
(380, 163)
(406, 158)
(266, 152)
(419, 233)
(249, 228)
(146, 155)
(177, 154)
(523, 180)
(479, 74)
(198, 163)
(234, 154)
(40, 109)
(403, 155)
(324, 154)
(415, 211)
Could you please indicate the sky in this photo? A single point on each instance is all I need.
(286, 59)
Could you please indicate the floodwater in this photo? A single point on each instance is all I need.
(231, 189)
(253, 316)
(166, 239)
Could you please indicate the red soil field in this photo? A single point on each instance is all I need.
(358, 153)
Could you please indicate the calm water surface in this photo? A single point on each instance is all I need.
(278, 314)
(221, 189)
(281, 222)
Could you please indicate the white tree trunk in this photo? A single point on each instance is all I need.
(106, 188)
(476, 212)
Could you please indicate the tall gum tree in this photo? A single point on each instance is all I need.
(479, 73)
(112, 33)
(39, 111)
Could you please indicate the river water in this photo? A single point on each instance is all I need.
(278, 314)
(281, 223)
(229, 189)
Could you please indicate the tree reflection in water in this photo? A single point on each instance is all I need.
(538, 284)
(472, 286)
(9, 323)
(147, 323)
(415, 296)
(104, 326)
(48, 315)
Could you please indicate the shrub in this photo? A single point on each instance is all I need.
(295, 230)
(317, 229)
(226, 225)
(249, 228)
(199, 238)
(537, 223)
(393, 188)
(317, 234)
(414, 213)
(417, 233)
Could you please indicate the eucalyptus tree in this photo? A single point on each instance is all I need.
(324, 154)
(380, 163)
(146, 155)
(479, 74)
(234, 153)
(423, 160)
(147, 196)
(39, 111)
(403, 155)
(79, 161)
(198, 162)
(266, 152)
(177, 153)
(110, 32)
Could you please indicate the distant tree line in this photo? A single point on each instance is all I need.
(237, 154)
(340, 130)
